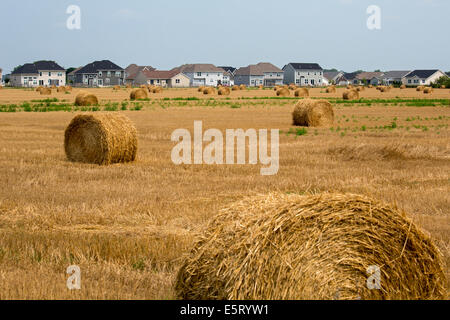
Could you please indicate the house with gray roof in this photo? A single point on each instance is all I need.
(263, 73)
(202, 74)
(393, 77)
(39, 73)
(422, 77)
(99, 74)
(303, 74)
(331, 77)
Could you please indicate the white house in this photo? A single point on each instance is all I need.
(1, 76)
(202, 74)
(331, 77)
(303, 74)
(40, 73)
(422, 77)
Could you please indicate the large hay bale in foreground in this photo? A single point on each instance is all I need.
(331, 89)
(101, 139)
(301, 92)
(283, 92)
(350, 95)
(138, 94)
(86, 99)
(45, 91)
(295, 247)
(313, 113)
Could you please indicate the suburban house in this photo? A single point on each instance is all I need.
(162, 78)
(71, 76)
(422, 77)
(228, 76)
(331, 77)
(263, 73)
(100, 73)
(132, 71)
(202, 74)
(303, 74)
(1, 76)
(364, 78)
(393, 77)
(447, 74)
(40, 73)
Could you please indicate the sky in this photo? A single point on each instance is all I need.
(166, 34)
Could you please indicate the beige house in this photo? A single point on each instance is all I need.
(169, 79)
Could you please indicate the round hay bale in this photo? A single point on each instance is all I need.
(420, 88)
(209, 90)
(360, 88)
(138, 94)
(313, 113)
(201, 88)
(428, 90)
(292, 87)
(224, 91)
(331, 89)
(242, 87)
(311, 247)
(157, 89)
(61, 89)
(403, 86)
(38, 89)
(116, 88)
(350, 95)
(370, 86)
(234, 88)
(443, 87)
(385, 89)
(349, 87)
(302, 92)
(45, 91)
(101, 139)
(260, 86)
(86, 99)
(283, 92)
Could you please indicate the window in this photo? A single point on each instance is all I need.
(278, 75)
(108, 74)
(49, 81)
(297, 81)
(34, 78)
(40, 74)
(107, 81)
(306, 81)
(199, 74)
(177, 81)
(118, 74)
(100, 82)
(35, 82)
(423, 81)
(157, 81)
(211, 80)
(59, 74)
(49, 74)
(100, 74)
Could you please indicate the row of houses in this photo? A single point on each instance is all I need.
(106, 73)
(407, 77)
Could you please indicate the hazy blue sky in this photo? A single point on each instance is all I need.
(164, 34)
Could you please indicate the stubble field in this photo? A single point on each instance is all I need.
(128, 226)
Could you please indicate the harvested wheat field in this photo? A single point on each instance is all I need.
(131, 226)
